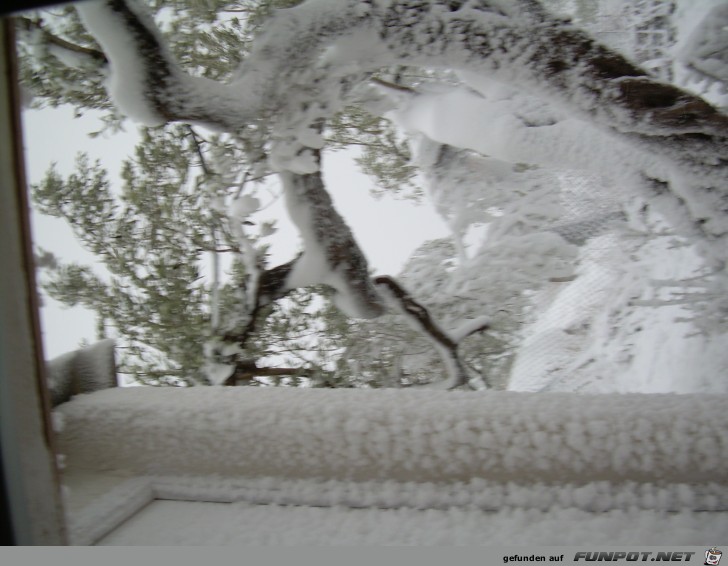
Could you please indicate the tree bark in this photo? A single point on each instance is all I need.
(326, 232)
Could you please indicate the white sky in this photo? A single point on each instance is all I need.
(388, 230)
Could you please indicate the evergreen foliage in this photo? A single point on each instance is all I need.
(181, 268)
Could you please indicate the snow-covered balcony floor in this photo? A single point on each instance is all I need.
(287, 466)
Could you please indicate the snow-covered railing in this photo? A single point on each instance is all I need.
(422, 436)
(391, 466)
(82, 371)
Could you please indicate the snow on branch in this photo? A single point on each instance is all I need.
(146, 83)
(224, 364)
(470, 327)
(564, 64)
(308, 55)
(271, 285)
(705, 53)
(309, 49)
(420, 319)
(331, 255)
(521, 45)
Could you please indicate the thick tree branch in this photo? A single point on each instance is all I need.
(272, 283)
(537, 52)
(332, 255)
(271, 287)
(149, 77)
(582, 74)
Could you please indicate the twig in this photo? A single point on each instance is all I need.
(29, 26)
(392, 86)
(198, 150)
(423, 321)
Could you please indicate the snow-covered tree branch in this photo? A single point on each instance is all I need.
(516, 103)
(302, 44)
(421, 319)
(308, 55)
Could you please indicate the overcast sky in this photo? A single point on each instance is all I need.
(388, 230)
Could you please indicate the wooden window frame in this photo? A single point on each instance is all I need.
(31, 497)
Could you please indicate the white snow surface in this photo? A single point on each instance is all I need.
(620, 325)
(610, 313)
(505, 124)
(243, 207)
(217, 373)
(704, 49)
(467, 327)
(398, 467)
(402, 435)
(239, 523)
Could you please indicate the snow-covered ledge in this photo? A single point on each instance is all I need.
(82, 371)
(394, 449)
(399, 435)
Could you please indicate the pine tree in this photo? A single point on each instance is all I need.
(157, 238)
(299, 76)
